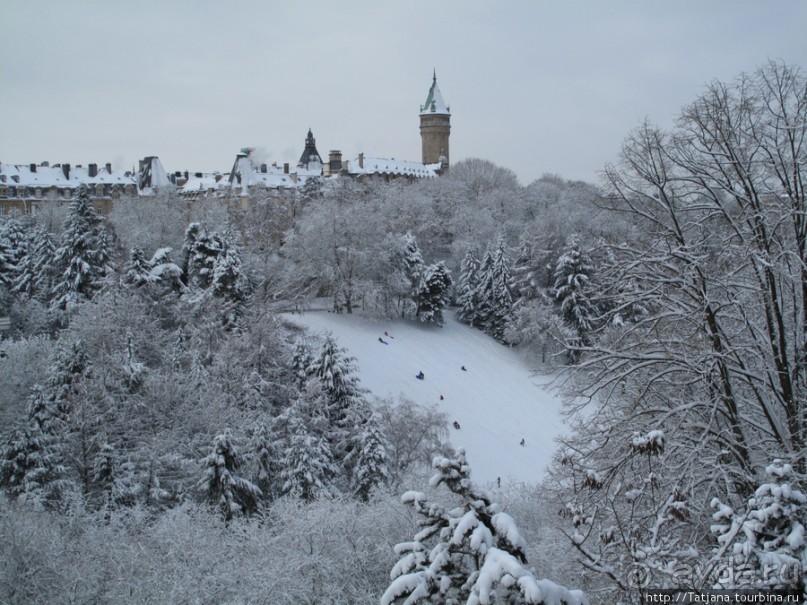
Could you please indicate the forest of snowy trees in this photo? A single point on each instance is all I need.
(168, 436)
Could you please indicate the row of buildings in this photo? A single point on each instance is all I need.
(27, 187)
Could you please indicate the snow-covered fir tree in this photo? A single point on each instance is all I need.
(412, 260)
(232, 494)
(14, 249)
(32, 464)
(137, 270)
(266, 457)
(371, 463)
(36, 271)
(68, 373)
(200, 250)
(31, 467)
(307, 463)
(469, 553)
(483, 295)
(337, 373)
(766, 545)
(434, 294)
(8, 269)
(526, 272)
(493, 295)
(572, 275)
(467, 288)
(228, 279)
(83, 258)
(502, 298)
(301, 362)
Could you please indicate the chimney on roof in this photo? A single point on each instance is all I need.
(186, 175)
(109, 167)
(92, 170)
(361, 161)
(66, 171)
(33, 167)
(286, 168)
(335, 161)
(263, 168)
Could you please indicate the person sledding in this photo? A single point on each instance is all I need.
(382, 341)
(456, 425)
(420, 375)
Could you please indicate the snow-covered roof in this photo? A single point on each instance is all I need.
(392, 167)
(246, 174)
(203, 182)
(46, 176)
(152, 176)
(434, 102)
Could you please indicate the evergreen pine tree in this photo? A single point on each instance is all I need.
(371, 468)
(502, 298)
(14, 249)
(137, 271)
(483, 316)
(467, 288)
(83, 258)
(15, 231)
(70, 368)
(31, 467)
(412, 261)
(768, 542)
(266, 456)
(301, 363)
(434, 294)
(468, 553)
(572, 274)
(231, 494)
(526, 270)
(307, 463)
(35, 272)
(8, 270)
(200, 251)
(228, 280)
(336, 372)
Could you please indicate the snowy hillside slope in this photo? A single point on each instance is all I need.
(496, 401)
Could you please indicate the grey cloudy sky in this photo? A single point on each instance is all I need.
(535, 86)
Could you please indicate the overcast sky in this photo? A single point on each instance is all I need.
(535, 86)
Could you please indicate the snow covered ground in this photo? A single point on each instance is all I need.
(496, 401)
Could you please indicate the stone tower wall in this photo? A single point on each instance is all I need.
(434, 132)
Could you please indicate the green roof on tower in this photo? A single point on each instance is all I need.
(434, 102)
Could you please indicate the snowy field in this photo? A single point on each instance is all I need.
(496, 401)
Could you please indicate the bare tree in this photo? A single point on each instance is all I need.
(704, 337)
